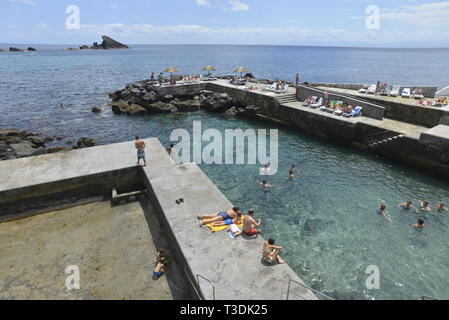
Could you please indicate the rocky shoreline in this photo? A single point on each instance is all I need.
(140, 98)
(19, 144)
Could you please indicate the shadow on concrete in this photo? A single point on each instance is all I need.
(173, 272)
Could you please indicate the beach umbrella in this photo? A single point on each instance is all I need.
(241, 70)
(209, 68)
(171, 70)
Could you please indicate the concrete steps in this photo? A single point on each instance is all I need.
(288, 98)
(385, 141)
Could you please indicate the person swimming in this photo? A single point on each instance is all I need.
(419, 224)
(440, 207)
(406, 205)
(264, 184)
(424, 206)
(382, 211)
(291, 172)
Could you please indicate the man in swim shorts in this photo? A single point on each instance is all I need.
(140, 146)
(250, 225)
(220, 216)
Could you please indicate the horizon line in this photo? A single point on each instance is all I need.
(231, 44)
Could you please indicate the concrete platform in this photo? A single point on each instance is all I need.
(233, 265)
(112, 248)
(438, 135)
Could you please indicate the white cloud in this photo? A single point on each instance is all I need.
(205, 3)
(113, 6)
(235, 5)
(238, 6)
(28, 2)
(145, 33)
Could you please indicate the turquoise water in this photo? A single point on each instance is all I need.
(325, 218)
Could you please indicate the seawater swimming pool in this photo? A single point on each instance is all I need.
(326, 218)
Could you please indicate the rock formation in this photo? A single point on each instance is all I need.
(19, 144)
(108, 43)
(12, 49)
(31, 49)
(140, 98)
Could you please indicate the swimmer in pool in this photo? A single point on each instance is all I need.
(440, 207)
(266, 168)
(424, 206)
(264, 184)
(291, 172)
(406, 205)
(382, 211)
(419, 224)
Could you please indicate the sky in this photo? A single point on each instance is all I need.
(364, 23)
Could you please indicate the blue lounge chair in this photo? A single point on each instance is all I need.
(356, 112)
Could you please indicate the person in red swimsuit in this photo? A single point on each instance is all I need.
(250, 226)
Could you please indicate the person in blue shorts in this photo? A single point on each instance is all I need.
(220, 216)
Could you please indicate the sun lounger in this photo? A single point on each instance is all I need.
(417, 94)
(354, 113)
(387, 91)
(395, 91)
(371, 89)
(270, 88)
(406, 93)
(338, 112)
(283, 90)
(364, 89)
(312, 101)
(318, 104)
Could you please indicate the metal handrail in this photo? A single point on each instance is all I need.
(198, 276)
(306, 287)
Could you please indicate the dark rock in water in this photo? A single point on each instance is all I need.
(40, 142)
(86, 142)
(314, 226)
(96, 109)
(160, 107)
(12, 49)
(31, 49)
(119, 107)
(234, 111)
(85, 47)
(26, 149)
(58, 149)
(249, 75)
(109, 43)
(253, 109)
(207, 93)
(135, 109)
(72, 49)
(219, 102)
(188, 106)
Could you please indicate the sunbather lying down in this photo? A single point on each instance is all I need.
(237, 221)
(219, 217)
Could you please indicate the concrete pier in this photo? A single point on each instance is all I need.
(234, 266)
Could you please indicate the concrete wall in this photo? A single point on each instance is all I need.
(420, 115)
(427, 91)
(369, 109)
(34, 199)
